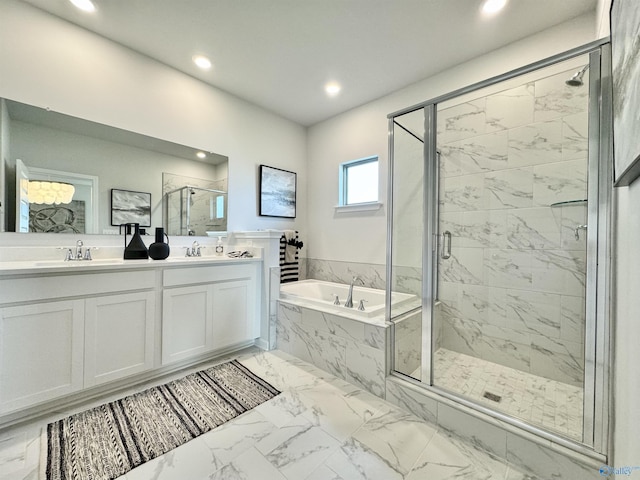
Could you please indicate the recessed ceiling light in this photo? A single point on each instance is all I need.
(332, 89)
(489, 7)
(201, 61)
(84, 5)
(201, 155)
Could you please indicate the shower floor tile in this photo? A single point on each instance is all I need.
(547, 403)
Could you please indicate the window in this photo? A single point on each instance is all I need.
(359, 182)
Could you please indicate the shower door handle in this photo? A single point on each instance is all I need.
(446, 245)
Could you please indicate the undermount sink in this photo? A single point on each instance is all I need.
(189, 259)
(76, 263)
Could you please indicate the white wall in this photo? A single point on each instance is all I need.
(4, 152)
(48, 62)
(626, 319)
(626, 350)
(363, 132)
(626, 325)
(602, 18)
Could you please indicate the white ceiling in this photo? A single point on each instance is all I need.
(279, 54)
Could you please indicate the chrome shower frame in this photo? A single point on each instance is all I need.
(597, 391)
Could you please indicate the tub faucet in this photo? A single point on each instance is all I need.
(349, 301)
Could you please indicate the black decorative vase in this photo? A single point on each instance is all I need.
(159, 250)
(136, 249)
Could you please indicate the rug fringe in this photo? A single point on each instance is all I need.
(42, 465)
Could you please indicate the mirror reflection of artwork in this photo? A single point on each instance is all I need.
(63, 218)
(130, 207)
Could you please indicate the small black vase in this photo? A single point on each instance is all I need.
(136, 249)
(159, 250)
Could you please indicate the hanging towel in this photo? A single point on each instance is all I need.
(290, 249)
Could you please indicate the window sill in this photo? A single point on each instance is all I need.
(358, 207)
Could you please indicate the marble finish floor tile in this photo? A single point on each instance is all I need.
(320, 428)
(548, 403)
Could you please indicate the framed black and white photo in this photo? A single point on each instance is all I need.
(625, 16)
(130, 207)
(277, 192)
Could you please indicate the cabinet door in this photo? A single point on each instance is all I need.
(186, 322)
(233, 313)
(41, 352)
(119, 335)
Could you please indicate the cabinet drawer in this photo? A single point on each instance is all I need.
(76, 285)
(218, 273)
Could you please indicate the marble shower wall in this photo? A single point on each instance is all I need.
(513, 290)
(406, 279)
(371, 274)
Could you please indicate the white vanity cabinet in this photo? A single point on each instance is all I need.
(60, 334)
(218, 309)
(41, 352)
(186, 322)
(232, 319)
(119, 336)
(79, 329)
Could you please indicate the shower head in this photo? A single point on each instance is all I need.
(576, 79)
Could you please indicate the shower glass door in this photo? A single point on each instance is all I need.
(499, 227)
(511, 267)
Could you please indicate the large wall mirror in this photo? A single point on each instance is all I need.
(62, 174)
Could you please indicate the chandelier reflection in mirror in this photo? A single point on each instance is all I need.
(50, 193)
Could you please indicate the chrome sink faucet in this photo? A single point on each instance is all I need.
(194, 251)
(79, 245)
(78, 255)
(349, 302)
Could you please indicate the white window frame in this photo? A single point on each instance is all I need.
(342, 186)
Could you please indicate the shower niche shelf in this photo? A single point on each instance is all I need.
(568, 202)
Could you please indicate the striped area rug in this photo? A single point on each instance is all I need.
(108, 441)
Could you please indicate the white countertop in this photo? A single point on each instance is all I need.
(109, 264)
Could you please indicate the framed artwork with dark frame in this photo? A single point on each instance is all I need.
(277, 192)
(625, 59)
(130, 207)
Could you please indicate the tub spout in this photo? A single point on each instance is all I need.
(349, 301)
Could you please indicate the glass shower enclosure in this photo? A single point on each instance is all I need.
(192, 210)
(499, 196)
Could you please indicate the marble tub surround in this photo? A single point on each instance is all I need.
(347, 348)
(513, 290)
(319, 428)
